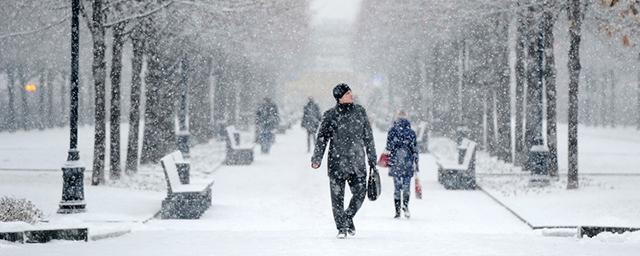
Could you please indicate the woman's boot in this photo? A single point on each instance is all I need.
(397, 204)
(405, 207)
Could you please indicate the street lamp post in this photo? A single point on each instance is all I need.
(73, 171)
(538, 158)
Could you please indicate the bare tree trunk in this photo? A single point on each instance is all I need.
(91, 104)
(134, 111)
(199, 100)
(11, 117)
(491, 122)
(612, 102)
(437, 100)
(550, 81)
(99, 77)
(26, 114)
(533, 86)
(473, 108)
(83, 103)
(503, 105)
(50, 114)
(457, 92)
(116, 73)
(64, 114)
(231, 96)
(575, 22)
(520, 76)
(159, 136)
(595, 100)
(219, 100)
(602, 99)
(42, 91)
(587, 98)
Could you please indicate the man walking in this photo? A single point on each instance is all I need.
(311, 121)
(347, 128)
(267, 120)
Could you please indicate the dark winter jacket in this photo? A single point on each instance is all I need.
(267, 118)
(402, 147)
(346, 127)
(311, 116)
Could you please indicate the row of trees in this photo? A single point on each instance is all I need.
(485, 65)
(31, 53)
(223, 56)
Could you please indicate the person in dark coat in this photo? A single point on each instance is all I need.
(347, 130)
(267, 120)
(310, 121)
(403, 161)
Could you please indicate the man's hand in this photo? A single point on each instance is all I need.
(315, 165)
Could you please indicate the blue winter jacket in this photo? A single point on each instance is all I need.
(402, 147)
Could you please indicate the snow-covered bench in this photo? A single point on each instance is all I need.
(239, 147)
(183, 201)
(461, 175)
(422, 137)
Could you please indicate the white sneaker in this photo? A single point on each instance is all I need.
(342, 234)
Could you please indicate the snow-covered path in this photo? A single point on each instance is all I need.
(281, 192)
(280, 206)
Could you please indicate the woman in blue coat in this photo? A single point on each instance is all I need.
(403, 161)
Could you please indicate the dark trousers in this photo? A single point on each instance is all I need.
(266, 139)
(358, 186)
(401, 184)
(311, 140)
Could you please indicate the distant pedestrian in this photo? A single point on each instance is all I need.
(267, 120)
(403, 161)
(310, 121)
(346, 127)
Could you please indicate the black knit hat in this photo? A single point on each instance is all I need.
(340, 90)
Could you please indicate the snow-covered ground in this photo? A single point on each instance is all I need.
(600, 200)
(280, 206)
(609, 177)
(602, 150)
(47, 149)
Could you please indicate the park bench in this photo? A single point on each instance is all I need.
(422, 137)
(185, 200)
(239, 147)
(460, 175)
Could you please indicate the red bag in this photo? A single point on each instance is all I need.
(383, 161)
(418, 188)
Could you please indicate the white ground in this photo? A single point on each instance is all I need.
(280, 206)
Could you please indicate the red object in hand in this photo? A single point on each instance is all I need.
(418, 188)
(383, 161)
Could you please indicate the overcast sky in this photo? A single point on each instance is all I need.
(334, 9)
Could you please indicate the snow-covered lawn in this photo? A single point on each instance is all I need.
(600, 151)
(600, 201)
(609, 171)
(603, 150)
(280, 206)
(47, 149)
